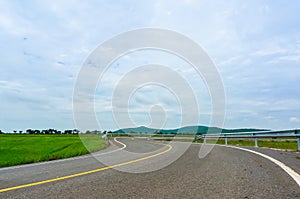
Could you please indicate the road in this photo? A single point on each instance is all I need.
(143, 169)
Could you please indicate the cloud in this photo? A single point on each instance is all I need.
(257, 60)
(11, 22)
(294, 120)
(295, 58)
(60, 63)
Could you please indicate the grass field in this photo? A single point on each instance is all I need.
(22, 149)
(278, 143)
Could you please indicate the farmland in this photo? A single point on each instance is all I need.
(22, 149)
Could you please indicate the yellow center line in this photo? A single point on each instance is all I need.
(87, 172)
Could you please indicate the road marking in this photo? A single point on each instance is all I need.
(67, 159)
(287, 169)
(90, 171)
(119, 149)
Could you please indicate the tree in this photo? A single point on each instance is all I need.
(75, 131)
(29, 131)
(52, 131)
(15, 131)
(68, 132)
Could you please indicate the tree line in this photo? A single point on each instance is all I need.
(56, 132)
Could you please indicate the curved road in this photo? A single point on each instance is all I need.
(224, 173)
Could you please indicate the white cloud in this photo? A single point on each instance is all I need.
(45, 43)
(270, 51)
(12, 23)
(294, 120)
(295, 58)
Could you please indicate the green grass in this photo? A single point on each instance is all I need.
(278, 144)
(290, 145)
(22, 149)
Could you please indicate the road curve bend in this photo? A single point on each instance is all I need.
(223, 173)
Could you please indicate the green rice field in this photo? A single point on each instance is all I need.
(22, 149)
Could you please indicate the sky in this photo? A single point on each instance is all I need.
(254, 44)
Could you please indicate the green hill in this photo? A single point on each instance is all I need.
(184, 130)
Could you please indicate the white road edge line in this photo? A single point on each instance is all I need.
(108, 152)
(115, 139)
(67, 159)
(287, 169)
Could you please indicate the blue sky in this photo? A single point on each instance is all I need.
(254, 44)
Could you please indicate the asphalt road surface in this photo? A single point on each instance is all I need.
(144, 169)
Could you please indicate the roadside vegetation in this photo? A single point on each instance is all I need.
(18, 149)
(287, 144)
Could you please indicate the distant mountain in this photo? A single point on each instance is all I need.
(141, 129)
(184, 130)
